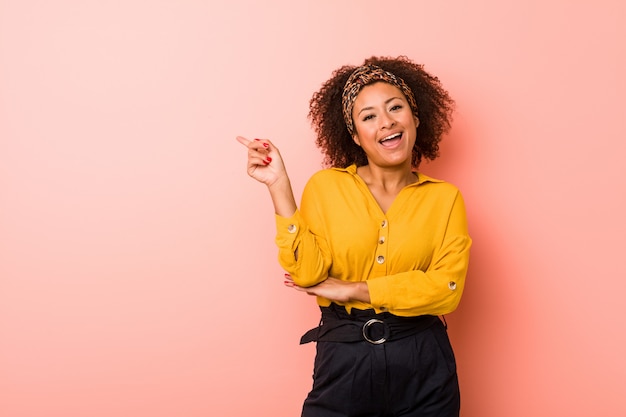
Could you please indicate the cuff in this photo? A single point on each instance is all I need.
(380, 298)
(287, 229)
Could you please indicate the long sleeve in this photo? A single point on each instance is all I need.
(301, 252)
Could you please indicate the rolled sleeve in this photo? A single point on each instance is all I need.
(288, 234)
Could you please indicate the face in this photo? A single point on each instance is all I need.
(385, 126)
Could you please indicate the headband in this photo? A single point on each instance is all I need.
(365, 75)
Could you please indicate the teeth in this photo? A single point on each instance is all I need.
(390, 137)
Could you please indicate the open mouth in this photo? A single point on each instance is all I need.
(391, 139)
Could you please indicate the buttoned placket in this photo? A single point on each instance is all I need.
(381, 249)
(381, 261)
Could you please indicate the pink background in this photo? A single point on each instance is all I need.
(138, 274)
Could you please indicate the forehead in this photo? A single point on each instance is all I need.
(378, 91)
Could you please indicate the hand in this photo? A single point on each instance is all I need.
(334, 289)
(264, 161)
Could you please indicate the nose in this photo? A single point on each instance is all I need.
(386, 120)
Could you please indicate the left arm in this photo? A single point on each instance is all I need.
(437, 289)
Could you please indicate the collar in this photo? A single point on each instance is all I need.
(421, 178)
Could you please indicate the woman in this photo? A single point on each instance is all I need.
(383, 247)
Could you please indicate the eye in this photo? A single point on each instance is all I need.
(396, 107)
(368, 117)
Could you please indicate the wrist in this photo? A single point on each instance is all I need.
(281, 183)
(360, 292)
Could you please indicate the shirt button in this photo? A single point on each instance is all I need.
(383, 224)
(380, 259)
(381, 240)
(292, 228)
(452, 285)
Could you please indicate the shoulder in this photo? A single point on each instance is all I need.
(325, 187)
(330, 176)
(436, 186)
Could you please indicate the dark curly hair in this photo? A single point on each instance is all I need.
(433, 102)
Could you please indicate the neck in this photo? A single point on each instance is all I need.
(391, 179)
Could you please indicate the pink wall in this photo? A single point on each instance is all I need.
(138, 275)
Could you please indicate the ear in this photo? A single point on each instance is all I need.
(417, 120)
(356, 140)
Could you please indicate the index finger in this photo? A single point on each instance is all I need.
(243, 141)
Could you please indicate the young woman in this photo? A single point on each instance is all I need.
(384, 247)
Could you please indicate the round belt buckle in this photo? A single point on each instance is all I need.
(365, 332)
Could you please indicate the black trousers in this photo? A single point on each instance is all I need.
(413, 376)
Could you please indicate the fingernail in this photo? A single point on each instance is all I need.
(287, 276)
(257, 139)
(267, 145)
(268, 159)
(266, 162)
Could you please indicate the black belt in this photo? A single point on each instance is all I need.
(339, 326)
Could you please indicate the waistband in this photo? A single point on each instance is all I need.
(337, 325)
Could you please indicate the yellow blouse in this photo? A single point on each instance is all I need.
(414, 257)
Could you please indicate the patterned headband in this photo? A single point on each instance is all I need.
(363, 76)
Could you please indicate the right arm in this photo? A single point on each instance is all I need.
(302, 252)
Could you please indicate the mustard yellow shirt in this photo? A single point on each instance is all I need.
(414, 257)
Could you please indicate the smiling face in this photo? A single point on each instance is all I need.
(385, 126)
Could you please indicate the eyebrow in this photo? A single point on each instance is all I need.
(371, 107)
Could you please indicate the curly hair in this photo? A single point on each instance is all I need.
(333, 138)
